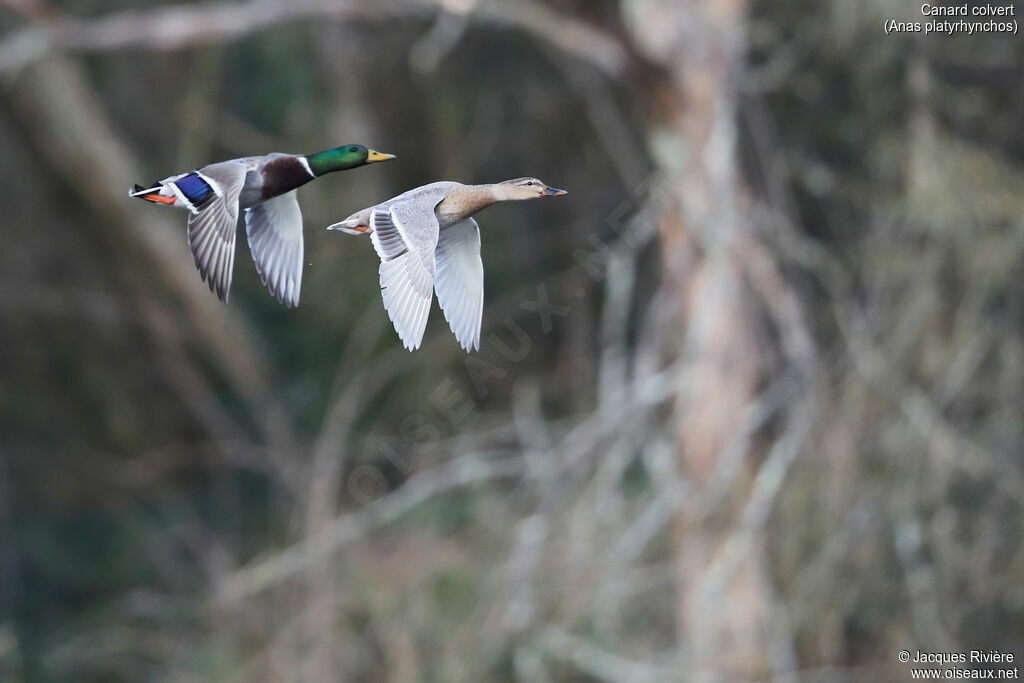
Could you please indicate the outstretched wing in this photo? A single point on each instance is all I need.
(405, 238)
(460, 281)
(211, 229)
(274, 228)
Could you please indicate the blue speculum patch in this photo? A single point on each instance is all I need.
(195, 188)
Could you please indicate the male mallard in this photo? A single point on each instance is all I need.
(265, 187)
(427, 240)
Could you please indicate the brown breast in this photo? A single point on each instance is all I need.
(283, 175)
(462, 202)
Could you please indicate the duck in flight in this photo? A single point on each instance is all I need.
(264, 187)
(427, 241)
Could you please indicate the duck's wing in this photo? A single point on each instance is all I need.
(405, 237)
(211, 229)
(274, 228)
(459, 281)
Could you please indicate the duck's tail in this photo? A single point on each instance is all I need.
(190, 191)
(158, 193)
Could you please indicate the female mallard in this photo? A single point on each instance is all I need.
(265, 187)
(427, 240)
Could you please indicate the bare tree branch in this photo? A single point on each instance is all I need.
(182, 26)
(268, 572)
(70, 130)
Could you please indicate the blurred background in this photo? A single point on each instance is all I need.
(748, 404)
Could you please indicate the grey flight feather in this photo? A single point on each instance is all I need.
(406, 252)
(274, 229)
(405, 232)
(211, 231)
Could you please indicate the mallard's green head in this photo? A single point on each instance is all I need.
(342, 158)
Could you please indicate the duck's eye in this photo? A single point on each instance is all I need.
(353, 149)
(531, 183)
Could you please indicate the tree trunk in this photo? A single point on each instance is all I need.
(721, 615)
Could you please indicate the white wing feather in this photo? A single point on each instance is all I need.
(460, 281)
(274, 228)
(406, 272)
